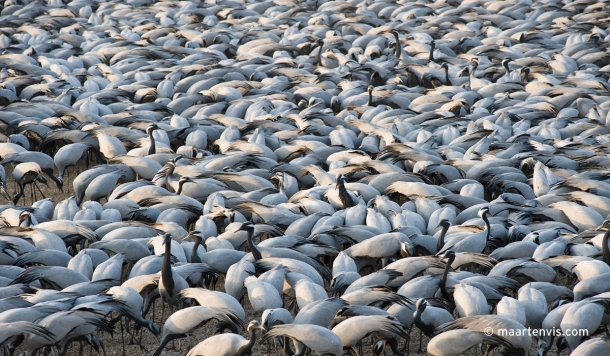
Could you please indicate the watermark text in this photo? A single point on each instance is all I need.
(538, 333)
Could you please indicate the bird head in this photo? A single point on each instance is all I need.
(246, 226)
(175, 160)
(42, 180)
(379, 347)
(167, 238)
(444, 223)
(183, 180)
(23, 216)
(339, 180)
(421, 303)
(254, 324)
(557, 303)
(483, 212)
(525, 71)
(195, 234)
(153, 328)
(406, 249)
(151, 128)
(449, 256)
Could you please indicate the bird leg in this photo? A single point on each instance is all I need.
(394, 346)
(98, 345)
(419, 351)
(41, 193)
(15, 344)
(32, 193)
(123, 338)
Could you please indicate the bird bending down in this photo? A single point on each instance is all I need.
(227, 344)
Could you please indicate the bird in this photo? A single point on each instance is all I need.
(428, 318)
(27, 173)
(318, 339)
(227, 344)
(171, 283)
(401, 158)
(182, 322)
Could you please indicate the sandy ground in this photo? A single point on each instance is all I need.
(114, 344)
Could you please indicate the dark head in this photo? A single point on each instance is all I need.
(269, 319)
(25, 216)
(370, 89)
(302, 104)
(254, 324)
(505, 62)
(525, 71)
(44, 181)
(183, 180)
(445, 223)
(475, 63)
(484, 213)
(339, 180)
(153, 327)
(421, 303)
(151, 128)
(449, 256)
(247, 226)
(557, 303)
(194, 235)
(60, 183)
(167, 239)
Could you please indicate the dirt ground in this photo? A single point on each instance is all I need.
(114, 345)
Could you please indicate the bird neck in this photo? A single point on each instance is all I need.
(417, 317)
(441, 239)
(443, 282)
(605, 248)
(344, 196)
(487, 226)
(168, 174)
(255, 250)
(397, 46)
(370, 102)
(180, 184)
(245, 350)
(166, 268)
(447, 80)
(194, 255)
(431, 55)
(151, 149)
(523, 76)
(319, 57)
(505, 65)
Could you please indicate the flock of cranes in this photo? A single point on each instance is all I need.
(347, 170)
